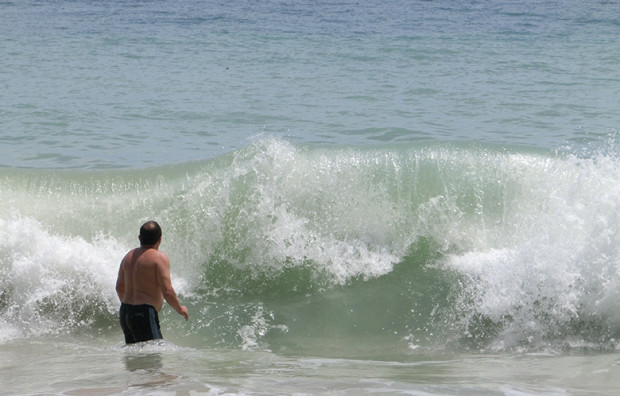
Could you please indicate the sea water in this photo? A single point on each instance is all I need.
(399, 197)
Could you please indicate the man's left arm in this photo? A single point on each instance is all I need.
(120, 283)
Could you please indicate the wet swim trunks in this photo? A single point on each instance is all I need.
(139, 323)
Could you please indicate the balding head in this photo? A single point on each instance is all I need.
(150, 233)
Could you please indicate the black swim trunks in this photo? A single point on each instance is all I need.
(139, 323)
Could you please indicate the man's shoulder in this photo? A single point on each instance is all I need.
(157, 255)
(164, 257)
(129, 255)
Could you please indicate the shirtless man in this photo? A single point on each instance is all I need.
(142, 285)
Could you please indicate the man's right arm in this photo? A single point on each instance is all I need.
(165, 283)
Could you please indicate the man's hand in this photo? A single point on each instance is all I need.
(184, 312)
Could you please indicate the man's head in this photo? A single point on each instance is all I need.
(150, 233)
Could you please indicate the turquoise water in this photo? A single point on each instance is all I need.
(396, 198)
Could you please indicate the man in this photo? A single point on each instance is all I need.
(142, 286)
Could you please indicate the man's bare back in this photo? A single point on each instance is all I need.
(144, 274)
(141, 269)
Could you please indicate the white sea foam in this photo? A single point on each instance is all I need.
(51, 283)
(561, 264)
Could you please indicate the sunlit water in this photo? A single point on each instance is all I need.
(397, 198)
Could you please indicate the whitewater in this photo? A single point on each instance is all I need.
(416, 198)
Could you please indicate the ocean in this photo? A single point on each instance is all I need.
(357, 197)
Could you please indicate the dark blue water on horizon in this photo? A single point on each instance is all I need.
(133, 84)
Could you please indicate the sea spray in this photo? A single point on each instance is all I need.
(52, 284)
(553, 283)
